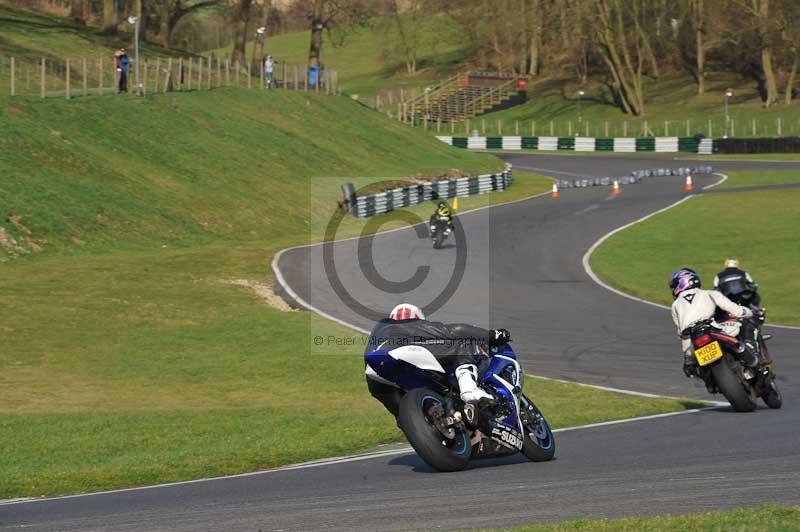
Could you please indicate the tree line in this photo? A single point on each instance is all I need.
(622, 43)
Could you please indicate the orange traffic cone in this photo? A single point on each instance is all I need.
(554, 193)
(616, 190)
(689, 185)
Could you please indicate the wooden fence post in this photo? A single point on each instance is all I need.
(210, 71)
(68, 87)
(158, 75)
(284, 80)
(399, 112)
(200, 73)
(516, 127)
(238, 83)
(219, 73)
(189, 73)
(168, 76)
(249, 78)
(100, 73)
(733, 128)
(13, 81)
(452, 126)
(552, 128)
(227, 72)
(780, 129)
(42, 78)
(687, 128)
(263, 80)
(533, 128)
(624, 128)
(295, 78)
(499, 128)
(586, 124)
(606, 124)
(85, 77)
(666, 128)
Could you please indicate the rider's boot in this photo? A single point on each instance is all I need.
(467, 376)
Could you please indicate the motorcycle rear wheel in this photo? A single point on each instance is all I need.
(437, 449)
(438, 240)
(738, 393)
(538, 445)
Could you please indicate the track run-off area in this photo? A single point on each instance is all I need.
(524, 269)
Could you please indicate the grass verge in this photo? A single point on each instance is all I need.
(750, 179)
(760, 228)
(767, 518)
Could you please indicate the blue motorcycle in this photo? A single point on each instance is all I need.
(446, 432)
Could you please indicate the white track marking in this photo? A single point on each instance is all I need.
(587, 256)
(627, 392)
(712, 185)
(332, 461)
(588, 269)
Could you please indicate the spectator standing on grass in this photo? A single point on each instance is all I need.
(121, 62)
(269, 68)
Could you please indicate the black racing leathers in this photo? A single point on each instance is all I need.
(451, 344)
(435, 217)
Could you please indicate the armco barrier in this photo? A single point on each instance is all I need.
(584, 144)
(370, 205)
(758, 145)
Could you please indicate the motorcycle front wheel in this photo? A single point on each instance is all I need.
(444, 449)
(539, 445)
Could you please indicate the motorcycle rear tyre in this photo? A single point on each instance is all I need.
(426, 439)
(731, 387)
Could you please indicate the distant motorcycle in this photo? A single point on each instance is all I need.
(440, 229)
(721, 367)
(446, 432)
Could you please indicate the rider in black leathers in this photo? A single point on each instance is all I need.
(442, 212)
(453, 346)
(738, 286)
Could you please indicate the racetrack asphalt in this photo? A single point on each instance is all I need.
(523, 272)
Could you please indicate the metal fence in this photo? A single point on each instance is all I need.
(73, 77)
(744, 127)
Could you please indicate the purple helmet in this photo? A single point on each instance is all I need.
(683, 279)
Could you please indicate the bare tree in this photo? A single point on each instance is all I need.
(266, 12)
(79, 11)
(330, 15)
(622, 53)
(171, 12)
(402, 20)
(110, 17)
(241, 21)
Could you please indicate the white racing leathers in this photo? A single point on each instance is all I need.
(695, 305)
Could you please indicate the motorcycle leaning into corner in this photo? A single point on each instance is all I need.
(440, 230)
(447, 432)
(720, 360)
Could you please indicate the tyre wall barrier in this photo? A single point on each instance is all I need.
(758, 145)
(372, 204)
(585, 144)
(637, 176)
(699, 145)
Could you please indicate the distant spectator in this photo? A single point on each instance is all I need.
(181, 73)
(121, 62)
(269, 68)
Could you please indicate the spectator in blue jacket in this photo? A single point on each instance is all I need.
(121, 62)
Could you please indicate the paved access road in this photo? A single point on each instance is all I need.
(523, 271)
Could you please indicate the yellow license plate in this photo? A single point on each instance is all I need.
(708, 353)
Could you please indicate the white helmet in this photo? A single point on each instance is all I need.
(404, 311)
